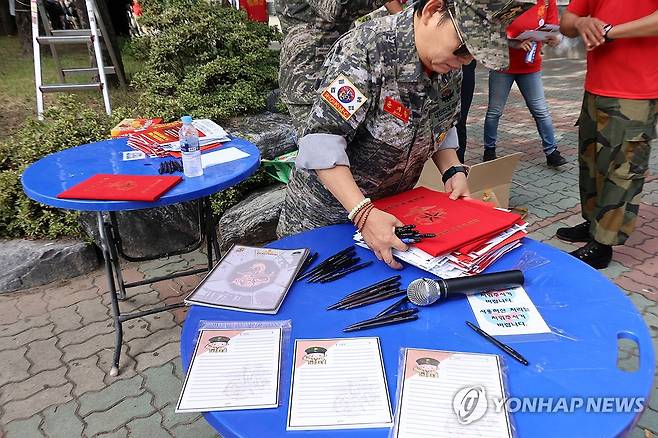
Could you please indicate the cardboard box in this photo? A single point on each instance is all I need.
(489, 181)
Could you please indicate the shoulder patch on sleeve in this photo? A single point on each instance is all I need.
(344, 97)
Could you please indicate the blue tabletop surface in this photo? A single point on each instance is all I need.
(51, 175)
(586, 312)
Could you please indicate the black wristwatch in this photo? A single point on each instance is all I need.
(451, 171)
(607, 28)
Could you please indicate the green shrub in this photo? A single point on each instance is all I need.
(203, 59)
(66, 124)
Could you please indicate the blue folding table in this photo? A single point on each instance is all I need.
(586, 312)
(45, 179)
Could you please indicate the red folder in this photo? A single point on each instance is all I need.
(455, 222)
(107, 187)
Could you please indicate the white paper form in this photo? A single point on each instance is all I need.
(233, 369)
(507, 312)
(222, 156)
(450, 394)
(338, 384)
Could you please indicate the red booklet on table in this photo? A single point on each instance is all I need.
(456, 223)
(108, 187)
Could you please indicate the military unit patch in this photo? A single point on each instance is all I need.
(344, 97)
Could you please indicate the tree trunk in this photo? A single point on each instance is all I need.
(24, 30)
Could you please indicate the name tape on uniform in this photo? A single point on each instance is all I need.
(344, 97)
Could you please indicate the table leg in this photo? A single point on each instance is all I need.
(106, 244)
(211, 233)
(113, 227)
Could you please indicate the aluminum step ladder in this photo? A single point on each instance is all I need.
(88, 37)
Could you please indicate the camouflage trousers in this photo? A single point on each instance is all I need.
(613, 154)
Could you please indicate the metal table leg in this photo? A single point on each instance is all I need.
(110, 243)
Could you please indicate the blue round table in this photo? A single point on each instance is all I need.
(53, 174)
(586, 312)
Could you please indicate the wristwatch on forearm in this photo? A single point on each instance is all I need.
(451, 171)
(606, 29)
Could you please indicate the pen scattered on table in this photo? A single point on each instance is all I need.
(308, 262)
(384, 321)
(350, 251)
(409, 235)
(382, 287)
(506, 348)
(170, 166)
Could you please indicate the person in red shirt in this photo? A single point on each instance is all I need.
(525, 70)
(617, 120)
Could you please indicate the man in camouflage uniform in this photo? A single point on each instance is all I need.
(617, 120)
(388, 101)
(310, 28)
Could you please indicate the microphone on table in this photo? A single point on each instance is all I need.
(426, 291)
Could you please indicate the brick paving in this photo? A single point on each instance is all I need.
(56, 341)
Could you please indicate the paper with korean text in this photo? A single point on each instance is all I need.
(507, 312)
(338, 384)
(450, 394)
(233, 369)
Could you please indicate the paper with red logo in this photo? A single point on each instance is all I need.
(249, 279)
(233, 369)
(455, 222)
(338, 384)
(396, 109)
(344, 97)
(108, 187)
(450, 394)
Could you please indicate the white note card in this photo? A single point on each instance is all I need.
(233, 369)
(450, 394)
(338, 384)
(507, 312)
(222, 156)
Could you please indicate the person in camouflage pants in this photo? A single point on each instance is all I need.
(310, 28)
(617, 120)
(388, 101)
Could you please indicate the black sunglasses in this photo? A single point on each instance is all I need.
(461, 51)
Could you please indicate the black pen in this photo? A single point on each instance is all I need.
(343, 273)
(385, 288)
(339, 263)
(375, 299)
(395, 305)
(308, 262)
(506, 348)
(366, 298)
(383, 322)
(343, 264)
(385, 317)
(327, 261)
(389, 280)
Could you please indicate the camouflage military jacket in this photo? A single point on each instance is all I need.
(310, 28)
(377, 111)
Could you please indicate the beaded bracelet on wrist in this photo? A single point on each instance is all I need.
(358, 208)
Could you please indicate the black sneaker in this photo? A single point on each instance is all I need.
(554, 159)
(595, 254)
(579, 233)
(489, 154)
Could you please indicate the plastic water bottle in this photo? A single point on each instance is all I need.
(189, 148)
(530, 54)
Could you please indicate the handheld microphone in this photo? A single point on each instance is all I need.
(426, 291)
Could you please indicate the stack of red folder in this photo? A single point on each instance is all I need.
(470, 234)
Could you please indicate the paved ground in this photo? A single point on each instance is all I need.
(56, 341)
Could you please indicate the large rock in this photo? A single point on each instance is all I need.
(154, 231)
(26, 263)
(253, 221)
(271, 132)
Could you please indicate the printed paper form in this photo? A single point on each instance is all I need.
(507, 312)
(449, 394)
(338, 384)
(233, 369)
